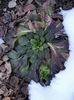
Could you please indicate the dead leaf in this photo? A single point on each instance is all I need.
(48, 20)
(1, 91)
(57, 60)
(1, 62)
(31, 26)
(29, 2)
(8, 67)
(5, 58)
(6, 98)
(57, 16)
(29, 8)
(1, 75)
(65, 55)
(1, 31)
(3, 46)
(38, 24)
(2, 68)
(14, 82)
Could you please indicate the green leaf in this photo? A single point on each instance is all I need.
(30, 35)
(29, 53)
(40, 32)
(44, 71)
(33, 58)
(23, 70)
(13, 54)
(21, 49)
(23, 41)
(14, 63)
(39, 3)
(41, 55)
(34, 12)
(24, 60)
(46, 53)
(49, 10)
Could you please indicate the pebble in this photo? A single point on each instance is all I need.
(12, 4)
(1, 41)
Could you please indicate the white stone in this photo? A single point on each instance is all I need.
(1, 41)
(12, 4)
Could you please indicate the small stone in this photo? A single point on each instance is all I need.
(1, 41)
(12, 4)
(4, 9)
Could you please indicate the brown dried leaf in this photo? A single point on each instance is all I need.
(31, 26)
(6, 98)
(1, 62)
(1, 91)
(2, 68)
(48, 20)
(5, 58)
(1, 75)
(65, 55)
(14, 82)
(3, 46)
(38, 24)
(29, 8)
(29, 2)
(57, 60)
(1, 31)
(8, 67)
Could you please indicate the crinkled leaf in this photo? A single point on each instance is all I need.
(23, 70)
(21, 49)
(23, 41)
(33, 58)
(13, 54)
(44, 71)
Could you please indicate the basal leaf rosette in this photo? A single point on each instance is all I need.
(33, 55)
(40, 47)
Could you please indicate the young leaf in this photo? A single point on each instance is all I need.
(49, 10)
(44, 71)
